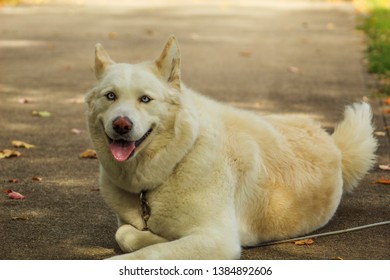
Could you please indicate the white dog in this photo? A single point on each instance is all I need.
(191, 178)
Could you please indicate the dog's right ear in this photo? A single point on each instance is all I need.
(102, 61)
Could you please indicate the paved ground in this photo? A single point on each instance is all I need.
(289, 57)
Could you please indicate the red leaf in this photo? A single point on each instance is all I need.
(383, 181)
(13, 195)
(36, 178)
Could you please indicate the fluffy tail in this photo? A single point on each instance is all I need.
(354, 137)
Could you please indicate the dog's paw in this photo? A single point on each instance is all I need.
(126, 237)
(131, 239)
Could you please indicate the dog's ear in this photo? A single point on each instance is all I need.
(102, 61)
(168, 63)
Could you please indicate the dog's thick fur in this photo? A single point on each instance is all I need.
(214, 177)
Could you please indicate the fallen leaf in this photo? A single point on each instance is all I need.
(383, 181)
(384, 166)
(21, 144)
(89, 153)
(9, 154)
(19, 218)
(245, 53)
(36, 178)
(294, 69)
(388, 101)
(112, 35)
(338, 258)
(304, 242)
(380, 133)
(13, 195)
(77, 131)
(150, 32)
(24, 100)
(51, 46)
(13, 180)
(42, 114)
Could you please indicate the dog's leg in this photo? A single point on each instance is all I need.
(197, 246)
(131, 239)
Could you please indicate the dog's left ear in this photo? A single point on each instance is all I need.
(168, 63)
(102, 61)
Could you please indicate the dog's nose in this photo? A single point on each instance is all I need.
(122, 125)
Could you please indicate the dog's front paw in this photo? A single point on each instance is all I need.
(126, 237)
(131, 239)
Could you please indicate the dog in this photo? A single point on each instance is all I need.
(191, 178)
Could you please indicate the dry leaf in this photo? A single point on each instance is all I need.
(9, 153)
(380, 133)
(384, 166)
(21, 144)
(19, 218)
(245, 53)
(112, 35)
(42, 114)
(304, 242)
(150, 32)
(76, 131)
(383, 181)
(294, 69)
(36, 178)
(388, 101)
(51, 46)
(24, 100)
(13, 180)
(13, 195)
(339, 258)
(89, 153)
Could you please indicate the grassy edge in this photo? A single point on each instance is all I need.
(376, 24)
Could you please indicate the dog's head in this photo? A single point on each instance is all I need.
(132, 102)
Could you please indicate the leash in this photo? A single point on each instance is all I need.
(320, 234)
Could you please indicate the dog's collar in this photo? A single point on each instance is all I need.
(145, 209)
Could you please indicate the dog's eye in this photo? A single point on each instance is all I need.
(111, 96)
(145, 99)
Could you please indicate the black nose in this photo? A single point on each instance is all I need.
(122, 125)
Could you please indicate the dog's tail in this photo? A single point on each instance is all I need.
(354, 137)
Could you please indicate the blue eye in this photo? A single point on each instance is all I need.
(111, 96)
(145, 99)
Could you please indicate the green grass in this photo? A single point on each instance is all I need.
(377, 27)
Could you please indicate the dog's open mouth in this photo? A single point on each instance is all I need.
(123, 150)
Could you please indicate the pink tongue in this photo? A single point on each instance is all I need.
(122, 150)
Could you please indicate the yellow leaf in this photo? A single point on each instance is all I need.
(9, 153)
(42, 114)
(304, 242)
(21, 144)
(36, 178)
(89, 153)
